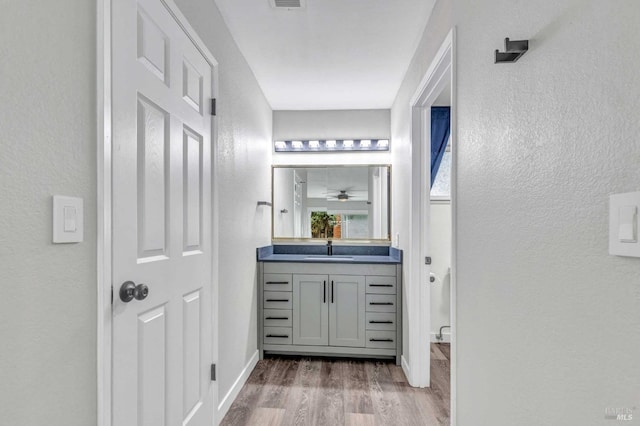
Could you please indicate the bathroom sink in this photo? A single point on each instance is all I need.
(325, 257)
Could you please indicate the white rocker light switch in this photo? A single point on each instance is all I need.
(627, 232)
(623, 224)
(67, 219)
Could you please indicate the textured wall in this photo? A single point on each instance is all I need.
(548, 322)
(47, 138)
(324, 124)
(244, 156)
(435, 32)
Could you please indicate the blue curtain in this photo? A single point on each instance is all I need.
(440, 129)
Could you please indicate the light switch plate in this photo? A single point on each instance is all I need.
(623, 224)
(67, 219)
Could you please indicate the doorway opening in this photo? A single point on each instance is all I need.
(432, 301)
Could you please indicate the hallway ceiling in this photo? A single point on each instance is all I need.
(330, 54)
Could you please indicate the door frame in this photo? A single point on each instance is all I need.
(441, 71)
(104, 164)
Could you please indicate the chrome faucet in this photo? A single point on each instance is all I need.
(329, 248)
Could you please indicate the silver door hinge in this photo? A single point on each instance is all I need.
(112, 295)
(213, 106)
(213, 372)
(427, 260)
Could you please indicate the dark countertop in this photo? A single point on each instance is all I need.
(341, 254)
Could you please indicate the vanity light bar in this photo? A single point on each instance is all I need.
(332, 145)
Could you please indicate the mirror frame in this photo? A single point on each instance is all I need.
(324, 240)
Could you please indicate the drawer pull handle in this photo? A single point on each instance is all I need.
(380, 322)
(278, 282)
(277, 318)
(381, 303)
(381, 340)
(279, 336)
(277, 300)
(380, 285)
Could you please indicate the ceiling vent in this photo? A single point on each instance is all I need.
(287, 4)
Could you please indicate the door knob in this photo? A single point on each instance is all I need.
(129, 291)
(141, 292)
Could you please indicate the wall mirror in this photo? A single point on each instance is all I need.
(331, 202)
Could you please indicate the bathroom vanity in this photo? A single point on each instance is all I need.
(344, 304)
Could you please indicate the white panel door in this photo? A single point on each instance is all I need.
(162, 144)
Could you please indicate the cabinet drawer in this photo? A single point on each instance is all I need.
(277, 282)
(381, 339)
(381, 302)
(277, 300)
(381, 285)
(277, 318)
(277, 335)
(380, 321)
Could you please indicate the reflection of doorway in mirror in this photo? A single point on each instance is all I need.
(297, 204)
(378, 201)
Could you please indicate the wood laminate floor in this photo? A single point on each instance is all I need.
(283, 391)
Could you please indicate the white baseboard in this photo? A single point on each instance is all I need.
(405, 367)
(228, 399)
(446, 337)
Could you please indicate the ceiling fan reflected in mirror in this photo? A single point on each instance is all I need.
(347, 194)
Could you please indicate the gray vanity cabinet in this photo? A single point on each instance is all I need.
(330, 309)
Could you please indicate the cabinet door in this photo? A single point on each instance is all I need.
(310, 310)
(347, 310)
